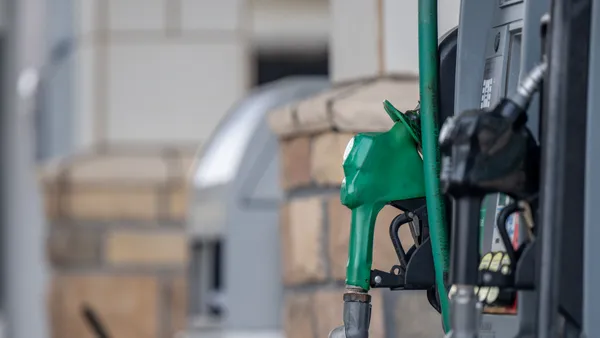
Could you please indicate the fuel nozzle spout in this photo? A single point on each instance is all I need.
(514, 108)
(357, 315)
(530, 85)
(466, 313)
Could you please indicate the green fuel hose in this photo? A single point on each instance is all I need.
(429, 96)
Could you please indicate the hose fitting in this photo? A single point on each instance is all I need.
(466, 313)
(357, 315)
(530, 85)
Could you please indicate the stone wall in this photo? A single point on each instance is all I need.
(314, 224)
(116, 242)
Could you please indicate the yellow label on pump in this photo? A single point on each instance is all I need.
(495, 264)
(484, 264)
(492, 295)
(483, 293)
(500, 262)
(485, 261)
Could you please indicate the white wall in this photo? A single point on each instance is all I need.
(297, 25)
(166, 71)
(158, 71)
(372, 37)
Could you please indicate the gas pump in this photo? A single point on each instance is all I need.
(513, 164)
(537, 157)
(499, 43)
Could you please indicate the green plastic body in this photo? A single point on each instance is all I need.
(379, 168)
(429, 92)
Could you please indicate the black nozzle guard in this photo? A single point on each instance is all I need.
(489, 151)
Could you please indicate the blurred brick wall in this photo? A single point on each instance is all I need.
(315, 226)
(116, 242)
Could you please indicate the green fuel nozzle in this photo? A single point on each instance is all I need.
(379, 168)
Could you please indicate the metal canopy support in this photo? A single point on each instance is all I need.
(22, 240)
(591, 313)
(563, 168)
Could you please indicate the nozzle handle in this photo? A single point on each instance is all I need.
(360, 249)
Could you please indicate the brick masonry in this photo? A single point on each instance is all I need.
(296, 162)
(314, 224)
(117, 243)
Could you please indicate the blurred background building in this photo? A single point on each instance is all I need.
(135, 96)
(176, 65)
(134, 89)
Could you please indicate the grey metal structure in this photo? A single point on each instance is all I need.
(591, 268)
(23, 270)
(490, 63)
(56, 111)
(235, 205)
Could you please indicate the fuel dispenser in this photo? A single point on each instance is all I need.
(490, 64)
(513, 176)
(525, 149)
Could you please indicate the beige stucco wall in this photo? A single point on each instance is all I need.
(172, 67)
(376, 37)
(176, 66)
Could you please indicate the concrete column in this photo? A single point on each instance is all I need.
(377, 37)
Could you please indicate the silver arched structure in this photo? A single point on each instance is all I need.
(236, 202)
